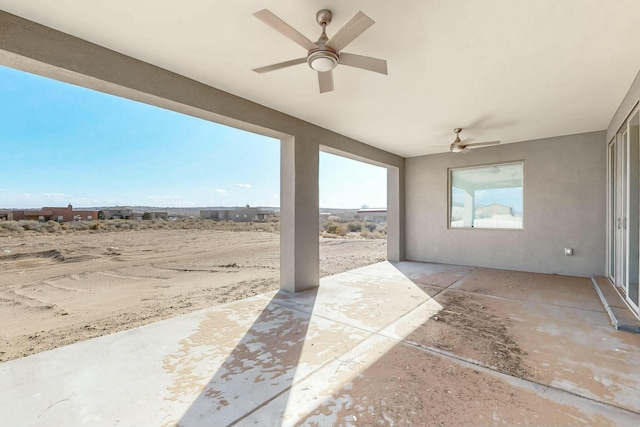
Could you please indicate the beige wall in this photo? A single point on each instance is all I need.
(565, 185)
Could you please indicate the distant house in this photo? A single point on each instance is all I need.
(60, 214)
(6, 215)
(374, 215)
(238, 214)
(155, 215)
(118, 213)
(340, 214)
(214, 214)
(69, 214)
(41, 215)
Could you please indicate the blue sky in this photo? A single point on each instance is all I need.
(63, 144)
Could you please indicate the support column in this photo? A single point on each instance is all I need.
(299, 215)
(395, 214)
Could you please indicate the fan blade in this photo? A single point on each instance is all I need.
(482, 144)
(280, 65)
(325, 80)
(467, 141)
(364, 62)
(285, 29)
(352, 29)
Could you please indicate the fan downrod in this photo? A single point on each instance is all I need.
(457, 132)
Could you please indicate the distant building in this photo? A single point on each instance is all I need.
(155, 215)
(118, 213)
(59, 214)
(245, 214)
(340, 214)
(6, 215)
(41, 215)
(373, 215)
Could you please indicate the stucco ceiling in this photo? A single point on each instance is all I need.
(511, 70)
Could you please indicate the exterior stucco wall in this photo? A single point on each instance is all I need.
(564, 206)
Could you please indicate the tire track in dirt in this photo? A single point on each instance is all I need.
(157, 275)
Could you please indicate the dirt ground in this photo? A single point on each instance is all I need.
(411, 386)
(57, 289)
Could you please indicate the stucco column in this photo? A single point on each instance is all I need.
(395, 214)
(299, 215)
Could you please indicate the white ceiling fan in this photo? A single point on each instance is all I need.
(325, 54)
(462, 146)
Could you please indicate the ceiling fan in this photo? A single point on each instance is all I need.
(462, 146)
(325, 54)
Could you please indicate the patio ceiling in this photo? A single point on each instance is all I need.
(511, 70)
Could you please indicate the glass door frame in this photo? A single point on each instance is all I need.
(622, 247)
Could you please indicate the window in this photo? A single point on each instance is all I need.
(487, 196)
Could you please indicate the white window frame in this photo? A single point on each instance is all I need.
(450, 172)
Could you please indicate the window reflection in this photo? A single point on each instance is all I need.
(487, 196)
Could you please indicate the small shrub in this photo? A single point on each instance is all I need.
(354, 227)
(11, 226)
(337, 229)
(160, 225)
(30, 225)
(97, 226)
(51, 226)
(76, 226)
(326, 224)
(371, 226)
(366, 234)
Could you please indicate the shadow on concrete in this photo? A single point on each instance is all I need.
(452, 365)
(261, 368)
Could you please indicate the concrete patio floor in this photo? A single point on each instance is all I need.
(389, 344)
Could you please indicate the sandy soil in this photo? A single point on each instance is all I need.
(410, 388)
(62, 288)
(406, 387)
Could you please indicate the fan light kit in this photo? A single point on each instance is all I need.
(323, 61)
(462, 146)
(325, 54)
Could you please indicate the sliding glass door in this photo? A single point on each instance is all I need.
(624, 210)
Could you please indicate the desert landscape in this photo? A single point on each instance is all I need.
(60, 286)
(64, 283)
